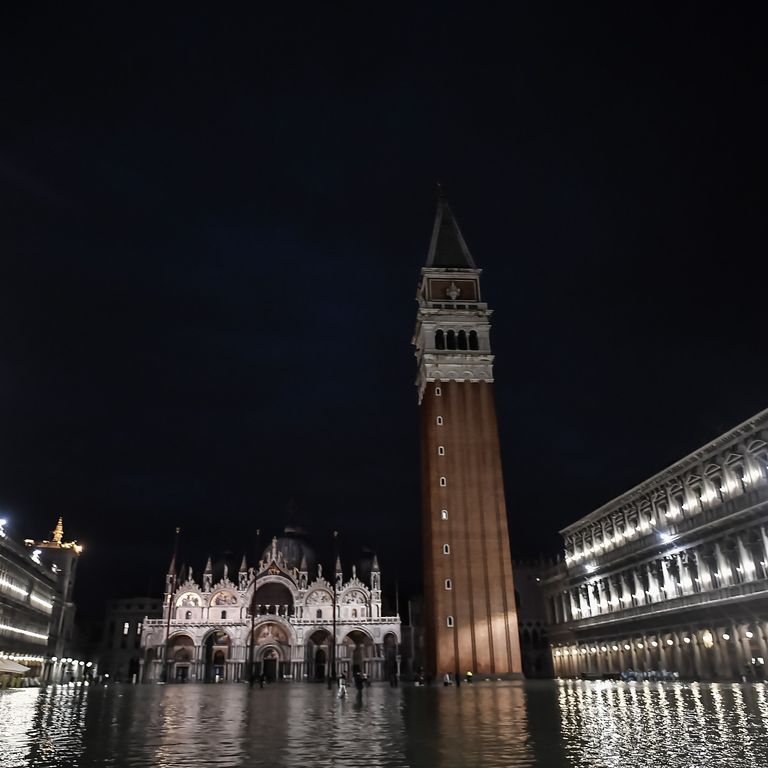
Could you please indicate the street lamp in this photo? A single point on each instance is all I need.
(171, 590)
(333, 645)
(253, 608)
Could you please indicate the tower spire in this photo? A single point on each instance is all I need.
(58, 532)
(447, 248)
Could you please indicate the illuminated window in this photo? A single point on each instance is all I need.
(449, 621)
(138, 628)
(438, 391)
(440, 450)
(126, 627)
(439, 421)
(446, 549)
(448, 584)
(188, 615)
(443, 514)
(443, 482)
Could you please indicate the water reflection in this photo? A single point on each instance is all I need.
(673, 724)
(581, 724)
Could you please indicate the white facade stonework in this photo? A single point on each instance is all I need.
(212, 634)
(672, 576)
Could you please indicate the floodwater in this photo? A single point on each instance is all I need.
(489, 724)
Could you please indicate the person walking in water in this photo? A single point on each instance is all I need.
(342, 686)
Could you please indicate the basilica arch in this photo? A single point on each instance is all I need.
(318, 655)
(288, 635)
(217, 653)
(181, 657)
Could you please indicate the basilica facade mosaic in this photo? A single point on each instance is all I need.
(280, 620)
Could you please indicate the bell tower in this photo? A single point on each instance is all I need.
(470, 613)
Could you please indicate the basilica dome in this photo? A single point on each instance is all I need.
(293, 546)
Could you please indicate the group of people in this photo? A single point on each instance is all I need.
(448, 680)
(360, 679)
(651, 674)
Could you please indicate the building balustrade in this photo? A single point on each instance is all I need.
(682, 556)
(754, 589)
(726, 514)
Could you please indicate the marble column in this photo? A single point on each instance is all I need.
(678, 664)
(565, 606)
(723, 567)
(705, 575)
(648, 662)
(744, 569)
(626, 602)
(583, 604)
(663, 653)
(591, 601)
(602, 597)
(761, 635)
(764, 559)
(685, 576)
(742, 650)
(575, 607)
(639, 593)
(669, 588)
(653, 584)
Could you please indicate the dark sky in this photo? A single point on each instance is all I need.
(211, 229)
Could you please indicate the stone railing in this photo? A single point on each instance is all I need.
(746, 590)
(724, 513)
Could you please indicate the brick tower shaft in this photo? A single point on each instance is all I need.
(469, 592)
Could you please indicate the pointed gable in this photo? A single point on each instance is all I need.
(447, 248)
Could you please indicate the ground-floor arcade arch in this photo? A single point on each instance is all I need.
(318, 655)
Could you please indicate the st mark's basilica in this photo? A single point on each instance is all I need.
(277, 615)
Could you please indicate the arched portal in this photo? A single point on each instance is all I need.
(271, 650)
(360, 650)
(181, 653)
(270, 664)
(217, 650)
(318, 655)
(390, 656)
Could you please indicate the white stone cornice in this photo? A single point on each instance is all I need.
(703, 455)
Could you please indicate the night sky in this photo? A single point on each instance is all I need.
(211, 229)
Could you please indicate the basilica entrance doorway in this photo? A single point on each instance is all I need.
(181, 651)
(320, 664)
(359, 649)
(270, 665)
(216, 654)
(318, 655)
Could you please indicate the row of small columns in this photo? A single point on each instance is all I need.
(634, 521)
(724, 652)
(235, 666)
(574, 605)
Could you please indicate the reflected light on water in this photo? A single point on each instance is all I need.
(566, 724)
(672, 724)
